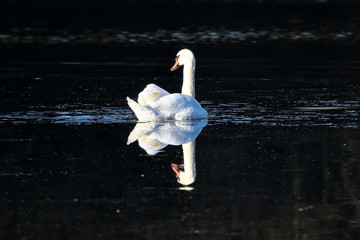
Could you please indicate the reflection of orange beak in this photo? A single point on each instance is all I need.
(176, 65)
(175, 168)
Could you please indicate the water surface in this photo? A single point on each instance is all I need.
(277, 159)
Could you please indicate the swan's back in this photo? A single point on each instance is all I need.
(178, 106)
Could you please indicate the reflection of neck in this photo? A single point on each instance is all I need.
(188, 176)
(188, 87)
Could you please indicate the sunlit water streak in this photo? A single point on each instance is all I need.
(346, 116)
(243, 113)
(201, 35)
(105, 115)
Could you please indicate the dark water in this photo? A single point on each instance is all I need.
(278, 158)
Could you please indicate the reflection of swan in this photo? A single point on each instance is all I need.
(153, 137)
(155, 103)
(187, 176)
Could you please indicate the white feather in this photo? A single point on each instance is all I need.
(151, 93)
(156, 104)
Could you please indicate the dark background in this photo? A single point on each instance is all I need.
(104, 19)
(109, 30)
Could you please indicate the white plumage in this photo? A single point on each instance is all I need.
(156, 104)
(151, 93)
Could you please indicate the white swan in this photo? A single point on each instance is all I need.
(156, 104)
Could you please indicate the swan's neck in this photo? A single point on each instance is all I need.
(188, 86)
(189, 173)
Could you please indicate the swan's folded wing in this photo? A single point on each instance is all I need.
(172, 103)
(178, 106)
(151, 93)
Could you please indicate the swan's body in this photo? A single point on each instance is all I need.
(156, 104)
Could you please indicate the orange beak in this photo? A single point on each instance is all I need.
(175, 168)
(176, 65)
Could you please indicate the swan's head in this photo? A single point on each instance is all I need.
(183, 57)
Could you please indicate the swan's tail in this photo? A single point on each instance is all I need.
(141, 112)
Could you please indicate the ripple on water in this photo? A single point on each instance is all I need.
(346, 116)
(235, 112)
(105, 115)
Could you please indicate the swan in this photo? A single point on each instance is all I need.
(156, 104)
